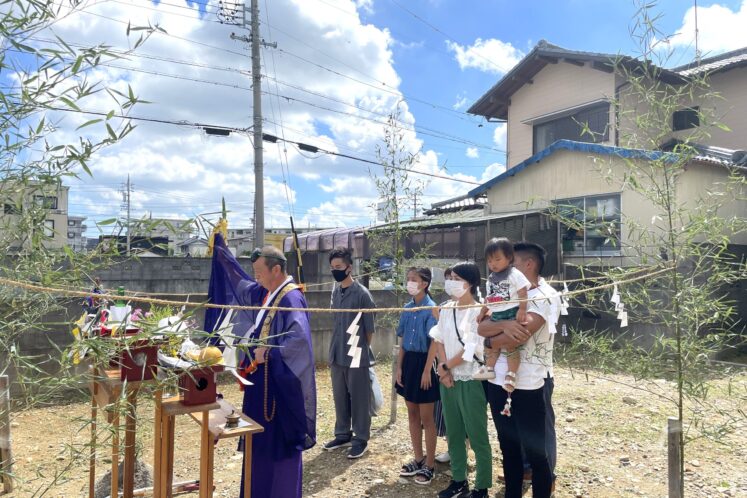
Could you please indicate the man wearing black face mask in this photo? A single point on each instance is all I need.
(350, 360)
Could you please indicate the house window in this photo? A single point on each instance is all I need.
(591, 225)
(70, 223)
(49, 228)
(46, 201)
(685, 119)
(11, 209)
(589, 125)
(70, 235)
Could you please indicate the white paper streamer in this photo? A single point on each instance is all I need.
(355, 351)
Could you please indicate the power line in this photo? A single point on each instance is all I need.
(416, 128)
(160, 11)
(141, 55)
(167, 34)
(445, 35)
(151, 120)
(314, 149)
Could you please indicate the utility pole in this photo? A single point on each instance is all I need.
(259, 188)
(415, 206)
(229, 14)
(126, 197)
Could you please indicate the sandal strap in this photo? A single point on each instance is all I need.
(426, 472)
(413, 465)
(511, 374)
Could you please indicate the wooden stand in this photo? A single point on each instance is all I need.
(106, 390)
(214, 422)
(163, 472)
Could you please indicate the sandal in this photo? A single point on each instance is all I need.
(424, 475)
(484, 373)
(411, 468)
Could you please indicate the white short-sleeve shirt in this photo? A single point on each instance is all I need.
(536, 353)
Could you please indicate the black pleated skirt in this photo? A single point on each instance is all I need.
(412, 370)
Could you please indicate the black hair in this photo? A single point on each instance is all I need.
(470, 272)
(425, 274)
(342, 253)
(533, 251)
(501, 244)
(447, 272)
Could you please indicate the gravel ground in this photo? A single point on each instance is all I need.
(611, 442)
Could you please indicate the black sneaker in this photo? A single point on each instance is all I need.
(337, 442)
(479, 493)
(455, 490)
(358, 450)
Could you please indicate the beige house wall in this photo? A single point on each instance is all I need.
(58, 215)
(727, 106)
(567, 174)
(555, 88)
(730, 108)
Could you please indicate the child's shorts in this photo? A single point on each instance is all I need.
(497, 316)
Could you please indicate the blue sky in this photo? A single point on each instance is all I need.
(324, 86)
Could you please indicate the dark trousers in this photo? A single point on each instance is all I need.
(551, 440)
(351, 389)
(524, 429)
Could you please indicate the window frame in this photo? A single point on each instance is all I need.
(687, 121)
(48, 228)
(574, 120)
(587, 226)
(43, 201)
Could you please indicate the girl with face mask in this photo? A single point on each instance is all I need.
(416, 381)
(463, 398)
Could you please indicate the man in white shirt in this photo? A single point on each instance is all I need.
(526, 433)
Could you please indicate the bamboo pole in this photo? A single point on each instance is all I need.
(674, 452)
(6, 455)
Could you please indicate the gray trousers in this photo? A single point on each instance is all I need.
(351, 389)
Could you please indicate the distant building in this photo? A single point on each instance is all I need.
(139, 246)
(194, 247)
(177, 231)
(241, 241)
(75, 230)
(51, 200)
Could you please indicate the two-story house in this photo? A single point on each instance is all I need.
(562, 127)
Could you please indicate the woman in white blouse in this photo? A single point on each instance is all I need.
(460, 351)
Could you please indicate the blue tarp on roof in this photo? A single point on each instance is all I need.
(607, 150)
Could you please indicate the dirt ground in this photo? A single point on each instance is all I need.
(611, 442)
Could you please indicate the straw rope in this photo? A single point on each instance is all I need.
(166, 302)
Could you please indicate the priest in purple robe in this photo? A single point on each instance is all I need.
(282, 397)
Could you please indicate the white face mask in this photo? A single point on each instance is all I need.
(413, 288)
(455, 288)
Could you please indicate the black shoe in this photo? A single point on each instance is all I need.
(358, 450)
(337, 442)
(479, 493)
(455, 490)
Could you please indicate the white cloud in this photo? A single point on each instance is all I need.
(179, 171)
(472, 152)
(720, 29)
(500, 135)
(460, 102)
(490, 55)
(492, 171)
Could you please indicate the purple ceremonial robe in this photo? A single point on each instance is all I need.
(276, 452)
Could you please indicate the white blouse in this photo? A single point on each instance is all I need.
(445, 332)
